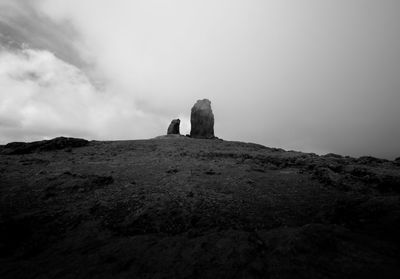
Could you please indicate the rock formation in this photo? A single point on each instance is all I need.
(173, 128)
(202, 120)
(44, 145)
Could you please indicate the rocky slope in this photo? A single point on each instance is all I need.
(177, 207)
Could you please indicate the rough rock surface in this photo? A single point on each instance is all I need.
(173, 128)
(44, 145)
(202, 120)
(182, 208)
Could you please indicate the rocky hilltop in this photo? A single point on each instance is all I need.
(180, 207)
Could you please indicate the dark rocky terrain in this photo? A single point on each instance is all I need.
(178, 207)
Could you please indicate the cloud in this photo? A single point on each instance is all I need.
(43, 96)
(52, 83)
(23, 24)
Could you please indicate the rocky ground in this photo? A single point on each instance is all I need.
(176, 207)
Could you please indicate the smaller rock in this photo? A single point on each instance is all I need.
(173, 128)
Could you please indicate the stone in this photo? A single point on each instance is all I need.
(173, 128)
(202, 120)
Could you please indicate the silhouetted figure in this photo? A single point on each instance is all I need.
(173, 128)
(202, 120)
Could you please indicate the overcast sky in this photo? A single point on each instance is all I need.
(314, 75)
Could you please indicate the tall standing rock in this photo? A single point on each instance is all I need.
(202, 120)
(173, 128)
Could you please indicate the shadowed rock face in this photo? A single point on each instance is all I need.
(173, 128)
(44, 145)
(202, 120)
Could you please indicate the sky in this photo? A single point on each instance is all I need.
(315, 75)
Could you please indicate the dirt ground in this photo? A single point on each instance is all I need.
(176, 207)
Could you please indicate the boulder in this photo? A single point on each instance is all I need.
(173, 128)
(202, 120)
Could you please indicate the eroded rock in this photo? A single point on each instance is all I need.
(173, 128)
(202, 120)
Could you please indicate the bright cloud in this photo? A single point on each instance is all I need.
(43, 96)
